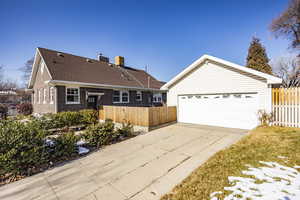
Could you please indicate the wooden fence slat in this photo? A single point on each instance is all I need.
(141, 116)
(286, 106)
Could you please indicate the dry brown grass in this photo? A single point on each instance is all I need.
(263, 144)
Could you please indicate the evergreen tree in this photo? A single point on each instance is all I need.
(257, 57)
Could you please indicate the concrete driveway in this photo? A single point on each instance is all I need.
(144, 167)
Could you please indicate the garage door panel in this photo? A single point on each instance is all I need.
(227, 110)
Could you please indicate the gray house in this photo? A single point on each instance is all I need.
(64, 82)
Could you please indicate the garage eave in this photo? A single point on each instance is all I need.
(206, 58)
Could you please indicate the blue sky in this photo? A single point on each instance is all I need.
(165, 35)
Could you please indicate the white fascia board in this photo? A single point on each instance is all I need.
(35, 68)
(61, 82)
(30, 83)
(270, 79)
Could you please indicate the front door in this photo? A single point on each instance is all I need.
(92, 102)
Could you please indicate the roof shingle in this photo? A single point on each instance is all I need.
(68, 67)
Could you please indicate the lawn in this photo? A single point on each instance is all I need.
(268, 144)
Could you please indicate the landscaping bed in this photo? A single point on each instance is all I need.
(33, 144)
(263, 165)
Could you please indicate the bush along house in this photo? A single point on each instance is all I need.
(64, 82)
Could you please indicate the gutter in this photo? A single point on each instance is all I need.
(94, 85)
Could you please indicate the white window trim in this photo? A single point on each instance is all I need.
(42, 65)
(45, 96)
(139, 93)
(121, 95)
(68, 102)
(157, 95)
(39, 93)
(51, 95)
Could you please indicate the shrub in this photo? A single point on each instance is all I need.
(44, 123)
(25, 108)
(65, 119)
(265, 118)
(89, 116)
(3, 111)
(22, 148)
(100, 134)
(65, 146)
(126, 130)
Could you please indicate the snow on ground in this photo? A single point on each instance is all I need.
(272, 181)
(83, 150)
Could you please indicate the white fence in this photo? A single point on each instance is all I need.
(286, 106)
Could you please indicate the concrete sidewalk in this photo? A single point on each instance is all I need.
(142, 168)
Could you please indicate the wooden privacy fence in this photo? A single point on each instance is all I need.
(286, 106)
(141, 116)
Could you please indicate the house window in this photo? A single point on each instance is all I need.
(72, 96)
(125, 96)
(157, 97)
(138, 96)
(40, 96)
(116, 96)
(45, 96)
(51, 95)
(42, 66)
(121, 96)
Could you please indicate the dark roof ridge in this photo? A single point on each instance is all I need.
(132, 68)
(76, 68)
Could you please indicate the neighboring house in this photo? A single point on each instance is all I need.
(14, 96)
(212, 91)
(64, 82)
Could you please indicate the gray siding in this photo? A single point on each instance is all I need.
(106, 99)
(40, 84)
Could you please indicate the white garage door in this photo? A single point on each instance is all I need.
(226, 110)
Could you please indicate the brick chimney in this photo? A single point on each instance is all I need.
(120, 61)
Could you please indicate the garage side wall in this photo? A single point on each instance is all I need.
(211, 78)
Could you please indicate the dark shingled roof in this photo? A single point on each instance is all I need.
(69, 67)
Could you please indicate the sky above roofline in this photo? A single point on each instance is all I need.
(166, 36)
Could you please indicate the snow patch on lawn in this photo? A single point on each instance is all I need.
(83, 150)
(272, 181)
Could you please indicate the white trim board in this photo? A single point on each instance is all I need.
(270, 79)
(95, 85)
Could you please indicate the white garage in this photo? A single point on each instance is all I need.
(215, 92)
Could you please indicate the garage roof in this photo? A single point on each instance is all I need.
(269, 78)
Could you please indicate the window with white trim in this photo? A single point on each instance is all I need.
(120, 96)
(125, 96)
(51, 95)
(138, 96)
(72, 96)
(40, 96)
(157, 97)
(42, 65)
(45, 96)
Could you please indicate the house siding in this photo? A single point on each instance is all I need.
(41, 84)
(106, 99)
(212, 78)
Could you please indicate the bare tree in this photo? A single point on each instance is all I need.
(26, 69)
(288, 69)
(287, 24)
